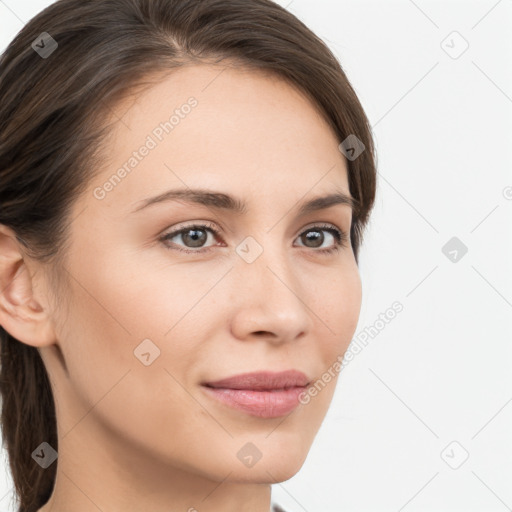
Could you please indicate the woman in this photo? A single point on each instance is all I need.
(184, 187)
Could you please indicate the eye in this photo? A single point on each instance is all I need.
(315, 235)
(193, 235)
(196, 235)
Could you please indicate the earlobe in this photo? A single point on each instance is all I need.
(21, 314)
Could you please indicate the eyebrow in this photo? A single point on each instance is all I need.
(226, 202)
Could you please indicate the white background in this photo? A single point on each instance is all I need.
(441, 370)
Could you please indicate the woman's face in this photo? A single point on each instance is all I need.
(146, 323)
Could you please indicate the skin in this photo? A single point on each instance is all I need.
(135, 437)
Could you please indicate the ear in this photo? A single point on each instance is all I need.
(22, 314)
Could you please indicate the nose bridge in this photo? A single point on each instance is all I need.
(267, 277)
(268, 292)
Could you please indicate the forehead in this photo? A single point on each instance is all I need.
(219, 127)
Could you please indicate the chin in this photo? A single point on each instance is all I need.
(273, 469)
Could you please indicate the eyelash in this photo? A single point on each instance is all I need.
(340, 236)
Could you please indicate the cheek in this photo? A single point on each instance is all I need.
(336, 304)
(118, 302)
(113, 309)
(348, 305)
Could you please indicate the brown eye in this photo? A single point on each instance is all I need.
(314, 237)
(192, 237)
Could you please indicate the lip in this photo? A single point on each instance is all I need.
(261, 394)
(261, 381)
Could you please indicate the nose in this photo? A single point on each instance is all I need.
(268, 299)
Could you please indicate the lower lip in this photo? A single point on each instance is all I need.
(264, 404)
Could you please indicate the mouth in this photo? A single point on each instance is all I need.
(260, 394)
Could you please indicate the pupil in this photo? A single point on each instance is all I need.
(196, 241)
(311, 235)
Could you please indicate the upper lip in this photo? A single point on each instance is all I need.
(262, 380)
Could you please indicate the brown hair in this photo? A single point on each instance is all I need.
(52, 123)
